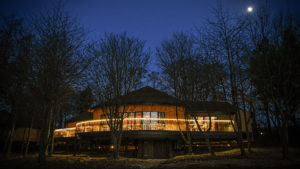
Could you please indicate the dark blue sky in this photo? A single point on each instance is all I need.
(150, 20)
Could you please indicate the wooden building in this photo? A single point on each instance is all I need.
(151, 128)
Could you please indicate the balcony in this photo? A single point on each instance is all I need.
(146, 124)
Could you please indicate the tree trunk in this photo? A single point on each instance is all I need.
(52, 138)
(190, 149)
(44, 138)
(187, 139)
(285, 139)
(248, 138)
(240, 133)
(42, 150)
(10, 140)
(266, 107)
(49, 131)
(23, 141)
(253, 122)
(28, 138)
(115, 141)
(7, 140)
(210, 150)
(51, 144)
(247, 130)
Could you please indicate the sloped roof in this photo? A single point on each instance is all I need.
(146, 95)
(149, 95)
(213, 106)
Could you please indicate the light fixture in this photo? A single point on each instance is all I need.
(249, 9)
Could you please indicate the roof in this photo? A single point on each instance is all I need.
(146, 95)
(222, 107)
(149, 95)
(81, 117)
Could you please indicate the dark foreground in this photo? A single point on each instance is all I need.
(259, 158)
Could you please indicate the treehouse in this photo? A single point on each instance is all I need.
(153, 124)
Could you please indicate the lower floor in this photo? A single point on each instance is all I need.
(143, 144)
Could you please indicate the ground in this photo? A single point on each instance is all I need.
(258, 158)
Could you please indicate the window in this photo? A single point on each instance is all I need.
(103, 125)
(161, 121)
(131, 121)
(138, 122)
(203, 121)
(161, 115)
(154, 117)
(151, 120)
(146, 121)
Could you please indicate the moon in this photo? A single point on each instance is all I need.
(250, 9)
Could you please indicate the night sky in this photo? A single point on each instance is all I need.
(150, 20)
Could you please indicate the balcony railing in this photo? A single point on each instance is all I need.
(65, 132)
(159, 124)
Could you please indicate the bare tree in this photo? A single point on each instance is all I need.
(154, 79)
(84, 100)
(259, 27)
(273, 69)
(186, 72)
(119, 65)
(275, 42)
(15, 49)
(177, 57)
(224, 37)
(58, 65)
(211, 151)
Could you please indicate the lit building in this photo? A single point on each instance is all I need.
(151, 128)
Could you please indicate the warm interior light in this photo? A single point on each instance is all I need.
(146, 123)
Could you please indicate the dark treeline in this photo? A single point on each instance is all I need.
(50, 72)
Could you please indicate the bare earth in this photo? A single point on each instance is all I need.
(259, 158)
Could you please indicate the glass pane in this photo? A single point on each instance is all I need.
(146, 121)
(130, 121)
(161, 121)
(146, 114)
(138, 114)
(138, 121)
(131, 115)
(154, 115)
(161, 114)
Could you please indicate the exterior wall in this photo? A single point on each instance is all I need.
(170, 111)
(244, 122)
(71, 124)
(221, 122)
(170, 117)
